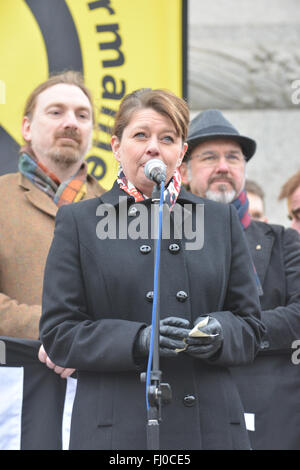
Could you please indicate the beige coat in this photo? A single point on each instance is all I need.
(27, 219)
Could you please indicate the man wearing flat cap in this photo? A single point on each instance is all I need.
(215, 168)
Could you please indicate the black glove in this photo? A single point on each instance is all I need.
(172, 332)
(204, 347)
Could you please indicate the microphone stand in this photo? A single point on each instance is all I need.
(157, 392)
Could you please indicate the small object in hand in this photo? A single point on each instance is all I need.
(196, 331)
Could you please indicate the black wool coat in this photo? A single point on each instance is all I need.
(96, 298)
(270, 386)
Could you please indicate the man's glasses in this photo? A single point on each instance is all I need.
(209, 159)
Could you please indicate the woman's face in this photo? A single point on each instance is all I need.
(148, 135)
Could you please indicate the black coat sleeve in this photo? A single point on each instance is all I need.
(241, 318)
(283, 322)
(71, 337)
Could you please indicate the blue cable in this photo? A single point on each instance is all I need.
(155, 290)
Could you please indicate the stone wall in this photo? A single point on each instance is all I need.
(244, 59)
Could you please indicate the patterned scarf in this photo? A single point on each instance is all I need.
(242, 204)
(71, 190)
(170, 194)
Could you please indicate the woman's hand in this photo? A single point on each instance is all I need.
(172, 332)
(206, 338)
(63, 372)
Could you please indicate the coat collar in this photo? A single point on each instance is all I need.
(112, 196)
(43, 202)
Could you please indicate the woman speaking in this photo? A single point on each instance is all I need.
(98, 296)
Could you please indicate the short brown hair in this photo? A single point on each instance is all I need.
(162, 101)
(290, 186)
(254, 188)
(69, 77)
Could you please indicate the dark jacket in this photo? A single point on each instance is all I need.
(270, 386)
(97, 296)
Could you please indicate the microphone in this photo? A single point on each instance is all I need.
(155, 170)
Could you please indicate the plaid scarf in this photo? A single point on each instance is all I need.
(170, 194)
(242, 204)
(71, 190)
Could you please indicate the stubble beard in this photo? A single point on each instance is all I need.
(65, 157)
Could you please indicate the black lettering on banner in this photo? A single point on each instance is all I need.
(112, 88)
(101, 4)
(108, 111)
(105, 128)
(114, 45)
(102, 145)
(112, 95)
(99, 167)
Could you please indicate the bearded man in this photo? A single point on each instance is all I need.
(57, 128)
(215, 168)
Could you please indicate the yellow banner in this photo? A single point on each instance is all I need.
(120, 45)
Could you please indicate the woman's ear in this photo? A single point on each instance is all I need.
(183, 169)
(182, 153)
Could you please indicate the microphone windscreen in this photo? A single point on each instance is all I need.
(155, 167)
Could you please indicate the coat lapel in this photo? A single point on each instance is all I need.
(260, 242)
(37, 197)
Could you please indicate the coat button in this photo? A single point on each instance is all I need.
(174, 248)
(181, 296)
(132, 211)
(145, 249)
(189, 400)
(149, 296)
